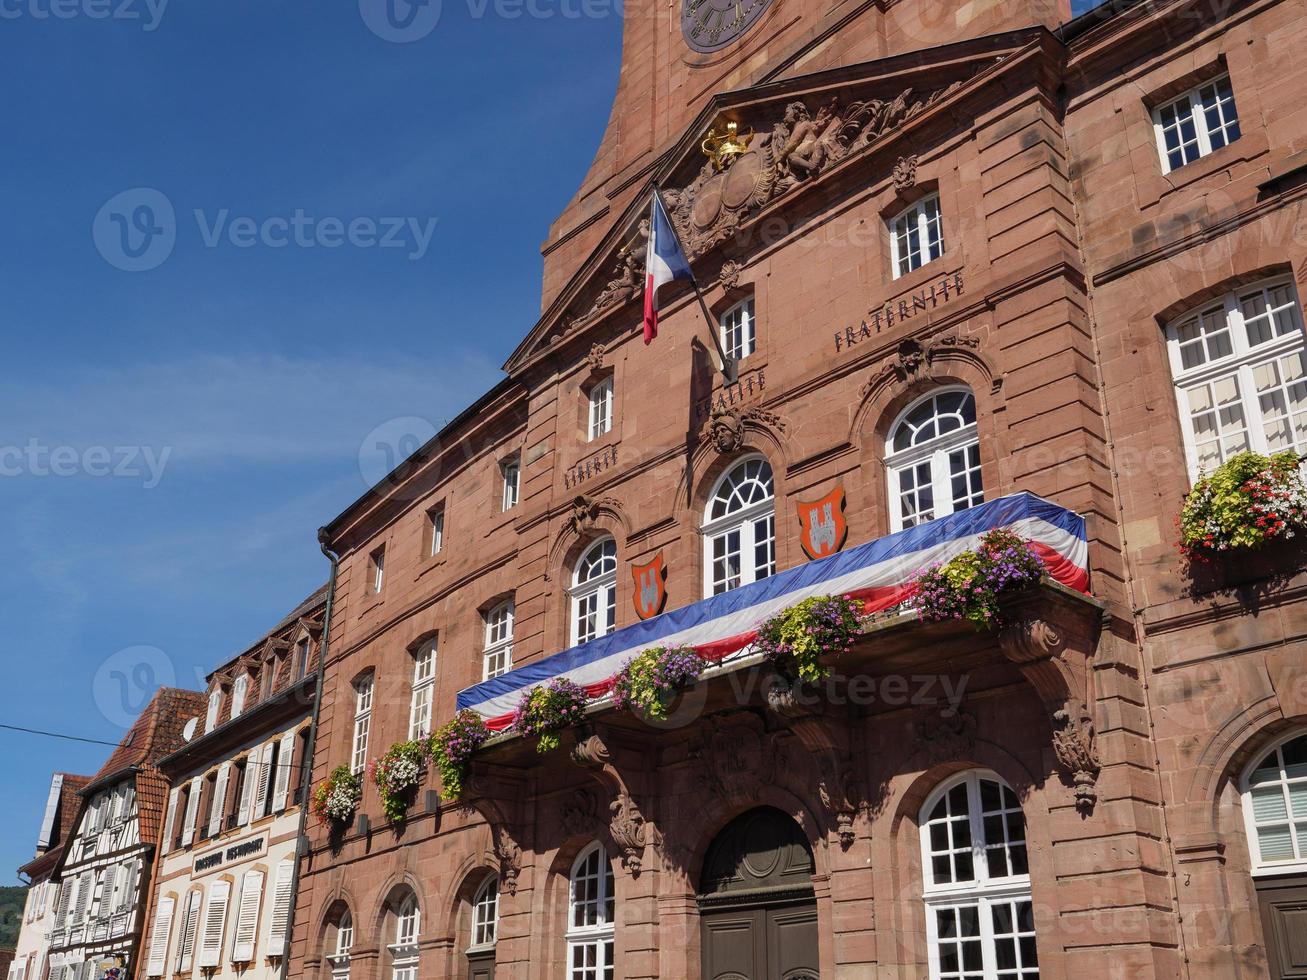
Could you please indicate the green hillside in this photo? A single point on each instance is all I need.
(13, 898)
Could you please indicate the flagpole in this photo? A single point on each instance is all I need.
(725, 365)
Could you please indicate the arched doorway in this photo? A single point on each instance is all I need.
(757, 910)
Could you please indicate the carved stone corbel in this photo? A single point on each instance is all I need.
(627, 825)
(487, 789)
(1060, 673)
(836, 781)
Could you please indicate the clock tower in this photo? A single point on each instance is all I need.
(677, 55)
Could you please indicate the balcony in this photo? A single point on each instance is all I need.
(879, 573)
(726, 724)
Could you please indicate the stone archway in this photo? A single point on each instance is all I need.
(757, 910)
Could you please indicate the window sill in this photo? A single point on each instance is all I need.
(430, 563)
(377, 601)
(1156, 186)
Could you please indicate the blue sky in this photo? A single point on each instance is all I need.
(170, 439)
(261, 372)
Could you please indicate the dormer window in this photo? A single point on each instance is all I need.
(239, 688)
(215, 705)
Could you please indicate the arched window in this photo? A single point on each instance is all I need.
(404, 950)
(740, 527)
(1275, 807)
(933, 458)
(485, 914)
(594, 592)
(590, 917)
(338, 954)
(497, 657)
(1240, 374)
(424, 689)
(979, 916)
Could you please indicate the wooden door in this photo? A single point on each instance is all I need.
(1283, 904)
(758, 915)
(481, 966)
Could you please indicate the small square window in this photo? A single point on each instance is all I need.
(601, 408)
(378, 562)
(1197, 123)
(739, 330)
(916, 236)
(435, 530)
(511, 471)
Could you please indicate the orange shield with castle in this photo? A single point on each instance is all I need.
(650, 587)
(824, 529)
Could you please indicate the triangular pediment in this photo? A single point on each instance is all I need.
(752, 151)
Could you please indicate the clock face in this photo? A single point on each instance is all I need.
(710, 25)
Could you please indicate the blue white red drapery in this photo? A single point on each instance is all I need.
(880, 573)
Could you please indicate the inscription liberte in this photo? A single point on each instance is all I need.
(585, 469)
(905, 309)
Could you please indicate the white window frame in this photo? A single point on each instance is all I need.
(436, 529)
(921, 214)
(601, 935)
(983, 890)
(738, 329)
(485, 916)
(497, 655)
(339, 958)
(510, 477)
(377, 565)
(240, 687)
(422, 699)
(1261, 867)
(1239, 363)
(594, 599)
(1198, 112)
(362, 723)
(934, 451)
(601, 409)
(214, 709)
(404, 950)
(755, 524)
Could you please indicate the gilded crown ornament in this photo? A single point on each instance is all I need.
(724, 148)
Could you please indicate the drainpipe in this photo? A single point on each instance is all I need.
(306, 774)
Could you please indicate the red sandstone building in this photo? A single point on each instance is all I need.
(961, 252)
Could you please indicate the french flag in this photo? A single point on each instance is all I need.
(664, 262)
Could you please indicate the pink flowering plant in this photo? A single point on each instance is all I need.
(547, 709)
(452, 748)
(800, 640)
(648, 684)
(397, 773)
(972, 585)
(1249, 501)
(338, 796)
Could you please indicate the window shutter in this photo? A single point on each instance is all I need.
(129, 802)
(115, 895)
(248, 778)
(85, 885)
(159, 937)
(247, 921)
(186, 941)
(281, 908)
(62, 902)
(218, 806)
(259, 804)
(192, 807)
(285, 755)
(170, 820)
(211, 716)
(215, 920)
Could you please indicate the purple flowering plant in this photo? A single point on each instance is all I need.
(547, 709)
(452, 748)
(800, 640)
(971, 585)
(648, 684)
